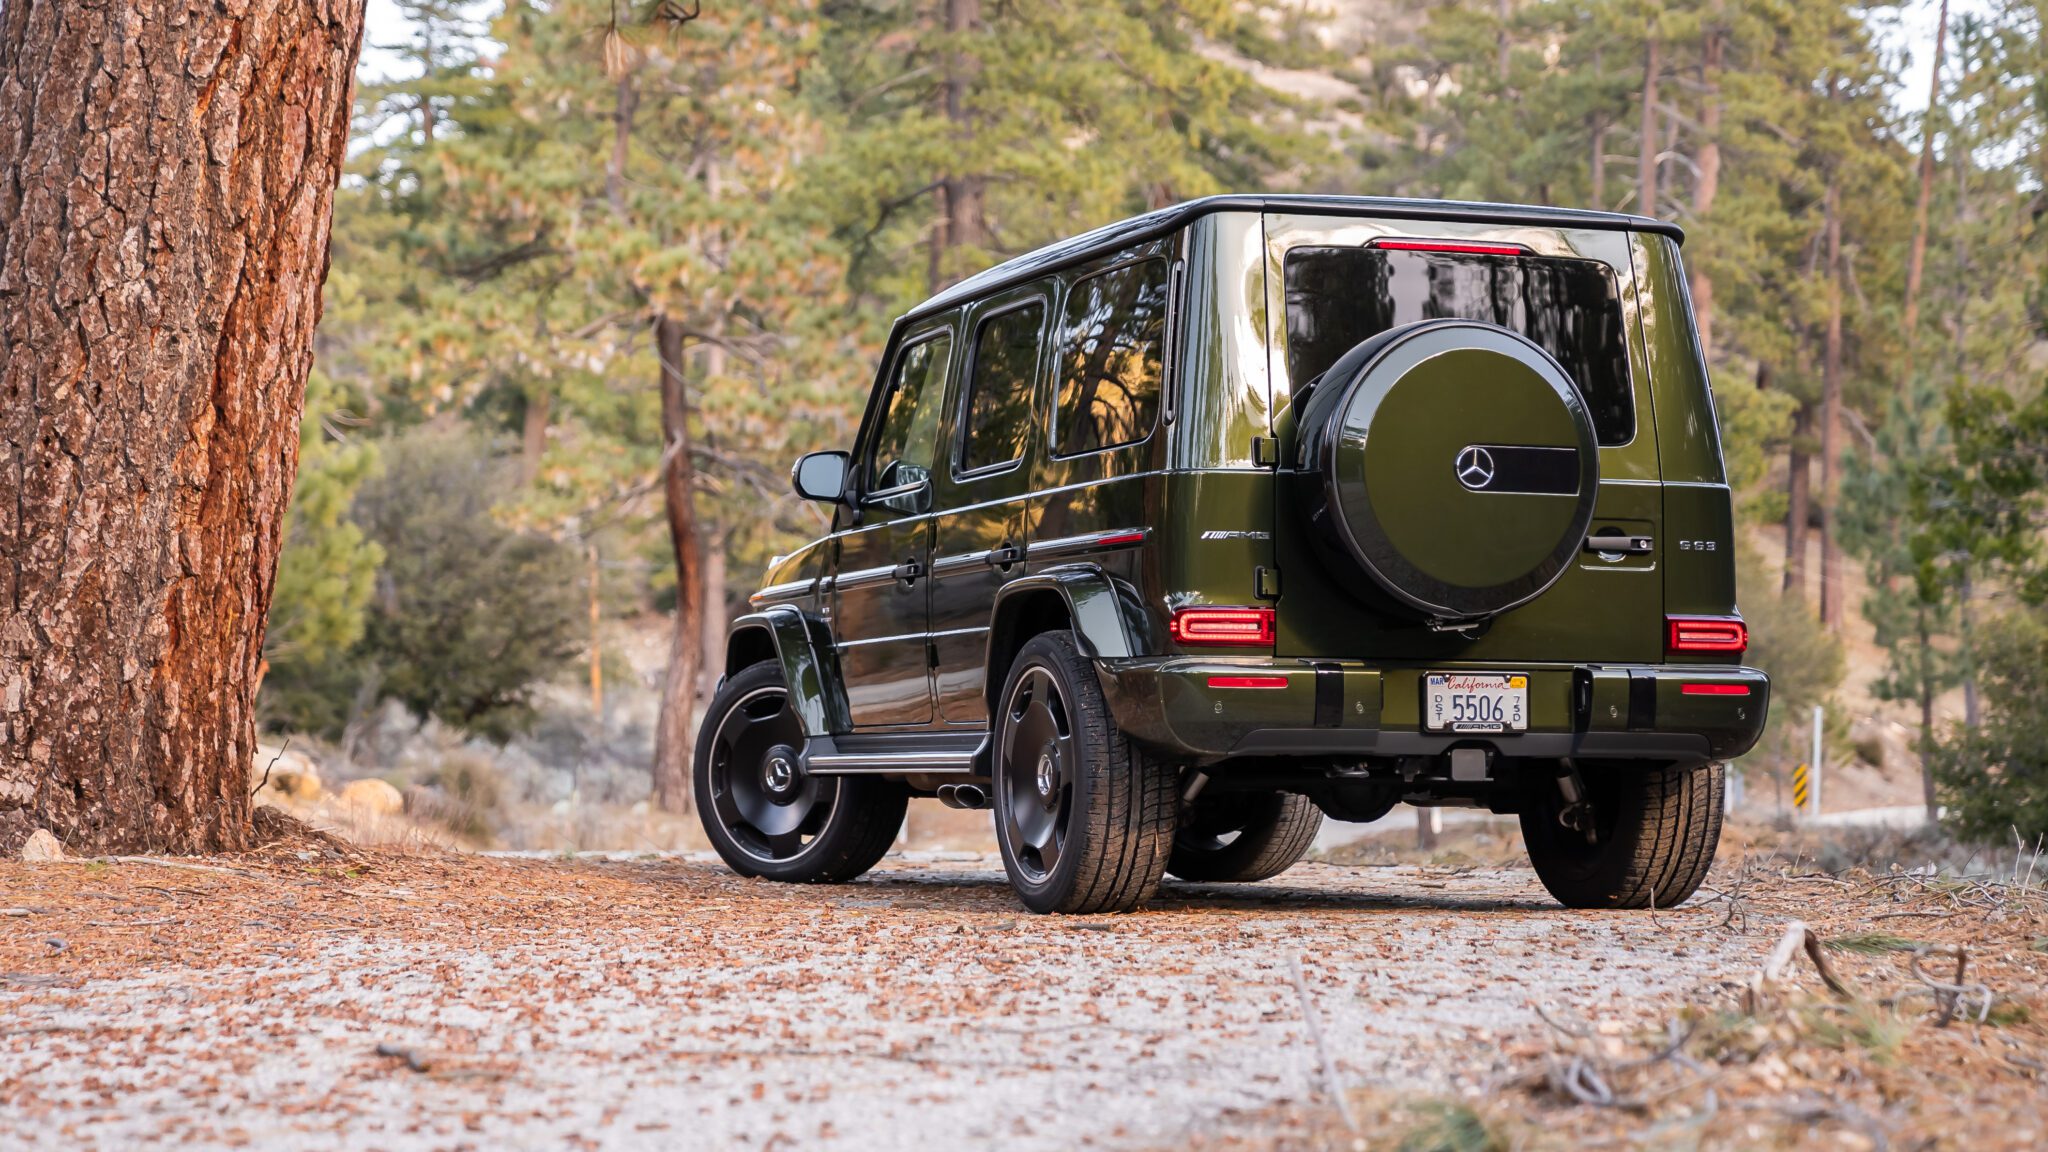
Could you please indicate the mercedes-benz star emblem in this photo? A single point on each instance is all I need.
(1475, 467)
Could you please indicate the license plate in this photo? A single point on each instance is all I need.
(1475, 702)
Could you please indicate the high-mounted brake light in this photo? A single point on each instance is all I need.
(1466, 247)
(1247, 681)
(1249, 626)
(1707, 634)
(1713, 689)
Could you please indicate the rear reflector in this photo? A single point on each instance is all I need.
(1713, 689)
(1708, 634)
(1247, 681)
(1222, 625)
(1118, 539)
(1465, 246)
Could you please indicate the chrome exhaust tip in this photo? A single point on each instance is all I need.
(966, 797)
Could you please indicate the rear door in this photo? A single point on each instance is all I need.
(981, 528)
(1571, 291)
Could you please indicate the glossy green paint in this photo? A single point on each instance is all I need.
(1222, 402)
(1688, 435)
(1396, 463)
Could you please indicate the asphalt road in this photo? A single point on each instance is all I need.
(665, 1004)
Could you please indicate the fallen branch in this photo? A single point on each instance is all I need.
(1797, 935)
(1331, 1084)
(179, 864)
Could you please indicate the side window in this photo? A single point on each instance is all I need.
(1111, 359)
(908, 428)
(998, 413)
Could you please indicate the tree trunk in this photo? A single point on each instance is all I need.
(1709, 183)
(533, 439)
(961, 221)
(1599, 133)
(1646, 161)
(1926, 654)
(1798, 491)
(679, 689)
(167, 175)
(1831, 418)
(1917, 260)
(625, 102)
(714, 623)
(1504, 11)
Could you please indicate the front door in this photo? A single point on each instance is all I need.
(881, 611)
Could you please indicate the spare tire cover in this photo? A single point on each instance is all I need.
(1454, 462)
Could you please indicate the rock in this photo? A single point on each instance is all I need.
(293, 775)
(41, 848)
(373, 796)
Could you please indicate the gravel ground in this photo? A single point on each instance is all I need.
(665, 1003)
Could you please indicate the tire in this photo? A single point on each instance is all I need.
(1657, 827)
(778, 823)
(1273, 832)
(1084, 817)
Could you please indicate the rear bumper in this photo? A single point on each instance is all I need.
(1332, 710)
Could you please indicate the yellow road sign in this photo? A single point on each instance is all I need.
(1801, 786)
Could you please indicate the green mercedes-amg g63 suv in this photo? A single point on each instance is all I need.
(1170, 540)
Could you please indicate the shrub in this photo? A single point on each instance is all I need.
(468, 614)
(1994, 778)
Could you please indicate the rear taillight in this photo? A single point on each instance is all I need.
(1713, 689)
(1707, 634)
(1247, 681)
(1246, 626)
(1466, 247)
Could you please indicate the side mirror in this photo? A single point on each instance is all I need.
(820, 476)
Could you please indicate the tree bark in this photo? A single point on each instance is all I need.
(1831, 417)
(1798, 491)
(1599, 133)
(1709, 183)
(167, 174)
(533, 439)
(1928, 795)
(1646, 161)
(1917, 260)
(672, 748)
(961, 195)
(625, 102)
(714, 623)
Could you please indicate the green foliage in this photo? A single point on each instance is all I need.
(1994, 779)
(1451, 1127)
(324, 579)
(1786, 640)
(469, 614)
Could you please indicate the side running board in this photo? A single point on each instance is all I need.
(824, 756)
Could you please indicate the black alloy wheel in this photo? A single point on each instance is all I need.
(1038, 735)
(1084, 816)
(764, 814)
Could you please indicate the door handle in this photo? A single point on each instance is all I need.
(908, 571)
(1612, 542)
(1005, 557)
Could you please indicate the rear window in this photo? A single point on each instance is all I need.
(1337, 297)
(1110, 359)
(1000, 390)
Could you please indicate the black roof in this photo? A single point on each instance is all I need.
(1152, 225)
